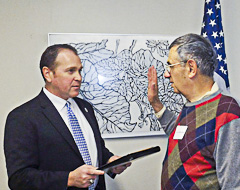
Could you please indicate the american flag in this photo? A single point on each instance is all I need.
(212, 29)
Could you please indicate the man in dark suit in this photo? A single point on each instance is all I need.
(40, 149)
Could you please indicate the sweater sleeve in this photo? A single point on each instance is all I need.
(227, 156)
(167, 121)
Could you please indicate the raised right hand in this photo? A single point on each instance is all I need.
(153, 97)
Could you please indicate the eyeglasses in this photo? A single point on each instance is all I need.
(168, 66)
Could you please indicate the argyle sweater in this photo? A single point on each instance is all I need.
(190, 163)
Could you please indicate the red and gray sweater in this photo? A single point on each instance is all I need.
(208, 156)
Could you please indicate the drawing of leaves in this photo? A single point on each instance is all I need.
(112, 81)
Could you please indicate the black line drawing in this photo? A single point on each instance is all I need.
(115, 83)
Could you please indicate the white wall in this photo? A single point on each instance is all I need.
(24, 26)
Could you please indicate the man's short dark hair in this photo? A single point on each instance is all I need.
(50, 54)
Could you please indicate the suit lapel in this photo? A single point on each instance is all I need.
(87, 115)
(56, 120)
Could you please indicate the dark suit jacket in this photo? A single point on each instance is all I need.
(39, 149)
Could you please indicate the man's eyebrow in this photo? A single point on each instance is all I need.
(71, 68)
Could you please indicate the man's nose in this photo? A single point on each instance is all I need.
(167, 74)
(78, 76)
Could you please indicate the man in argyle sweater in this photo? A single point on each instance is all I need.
(204, 147)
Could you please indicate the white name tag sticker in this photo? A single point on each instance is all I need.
(180, 132)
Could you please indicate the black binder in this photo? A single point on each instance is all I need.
(130, 157)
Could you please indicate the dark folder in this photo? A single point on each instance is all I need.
(130, 157)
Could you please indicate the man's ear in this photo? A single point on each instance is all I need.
(47, 73)
(192, 65)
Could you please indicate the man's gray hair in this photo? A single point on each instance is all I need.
(198, 48)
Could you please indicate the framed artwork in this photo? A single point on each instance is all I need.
(115, 82)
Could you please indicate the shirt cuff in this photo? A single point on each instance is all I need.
(160, 113)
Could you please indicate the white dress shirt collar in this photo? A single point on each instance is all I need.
(58, 102)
